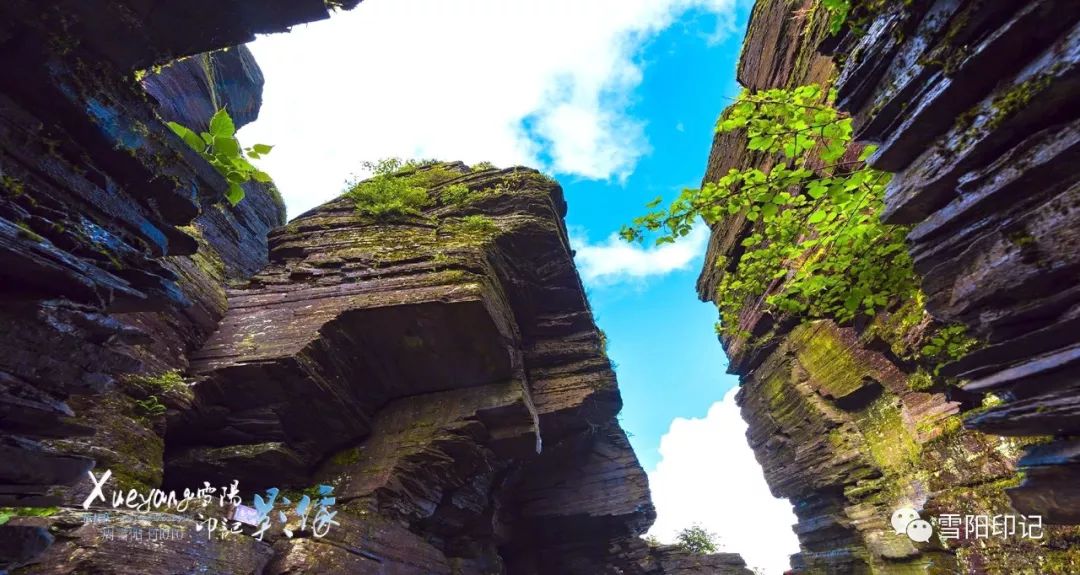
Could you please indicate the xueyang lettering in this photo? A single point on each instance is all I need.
(158, 500)
(262, 515)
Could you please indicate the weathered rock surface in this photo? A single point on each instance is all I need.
(440, 372)
(975, 110)
(136, 543)
(133, 35)
(677, 561)
(968, 101)
(100, 275)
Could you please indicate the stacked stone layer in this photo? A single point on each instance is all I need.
(968, 101)
(975, 110)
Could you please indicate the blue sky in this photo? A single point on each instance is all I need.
(617, 99)
(670, 363)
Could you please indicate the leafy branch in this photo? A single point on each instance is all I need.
(221, 149)
(818, 248)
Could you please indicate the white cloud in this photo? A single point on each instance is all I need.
(707, 474)
(615, 260)
(507, 81)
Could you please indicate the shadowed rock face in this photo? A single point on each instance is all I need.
(134, 35)
(442, 372)
(968, 101)
(82, 547)
(114, 250)
(197, 86)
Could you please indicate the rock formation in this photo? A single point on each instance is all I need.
(974, 107)
(441, 372)
(985, 152)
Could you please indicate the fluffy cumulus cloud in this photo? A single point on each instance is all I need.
(708, 475)
(547, 83)
(616, 261)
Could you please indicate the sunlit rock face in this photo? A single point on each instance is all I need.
(968, 102)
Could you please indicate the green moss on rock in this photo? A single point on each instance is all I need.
(833, 369)
(891, 444)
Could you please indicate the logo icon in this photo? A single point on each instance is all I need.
(920, 530)
(907, 521)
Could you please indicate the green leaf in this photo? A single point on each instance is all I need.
(190, 138)
(178, 129)
(768, 211)
(227, 147)
(825, 246)
(761, 142)
(221, 125)
(867, 152)
(221, 150)
(234, 194)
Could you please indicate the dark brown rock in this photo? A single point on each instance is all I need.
(365, 543)
(675, 561)
(1049, 488)
(981, 135)
(438, 375)
(135, 543)
(969, 102)
(131, 35)
(99, 272)
(20, 543)
(184, 94)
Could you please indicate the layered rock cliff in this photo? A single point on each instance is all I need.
(116, 248)
(440, 372)
(973, 104)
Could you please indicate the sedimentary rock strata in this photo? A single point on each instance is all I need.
(985, 155)
(440, 370)
(968, 101)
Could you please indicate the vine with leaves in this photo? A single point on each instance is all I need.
(818, 249)
(219, 146)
